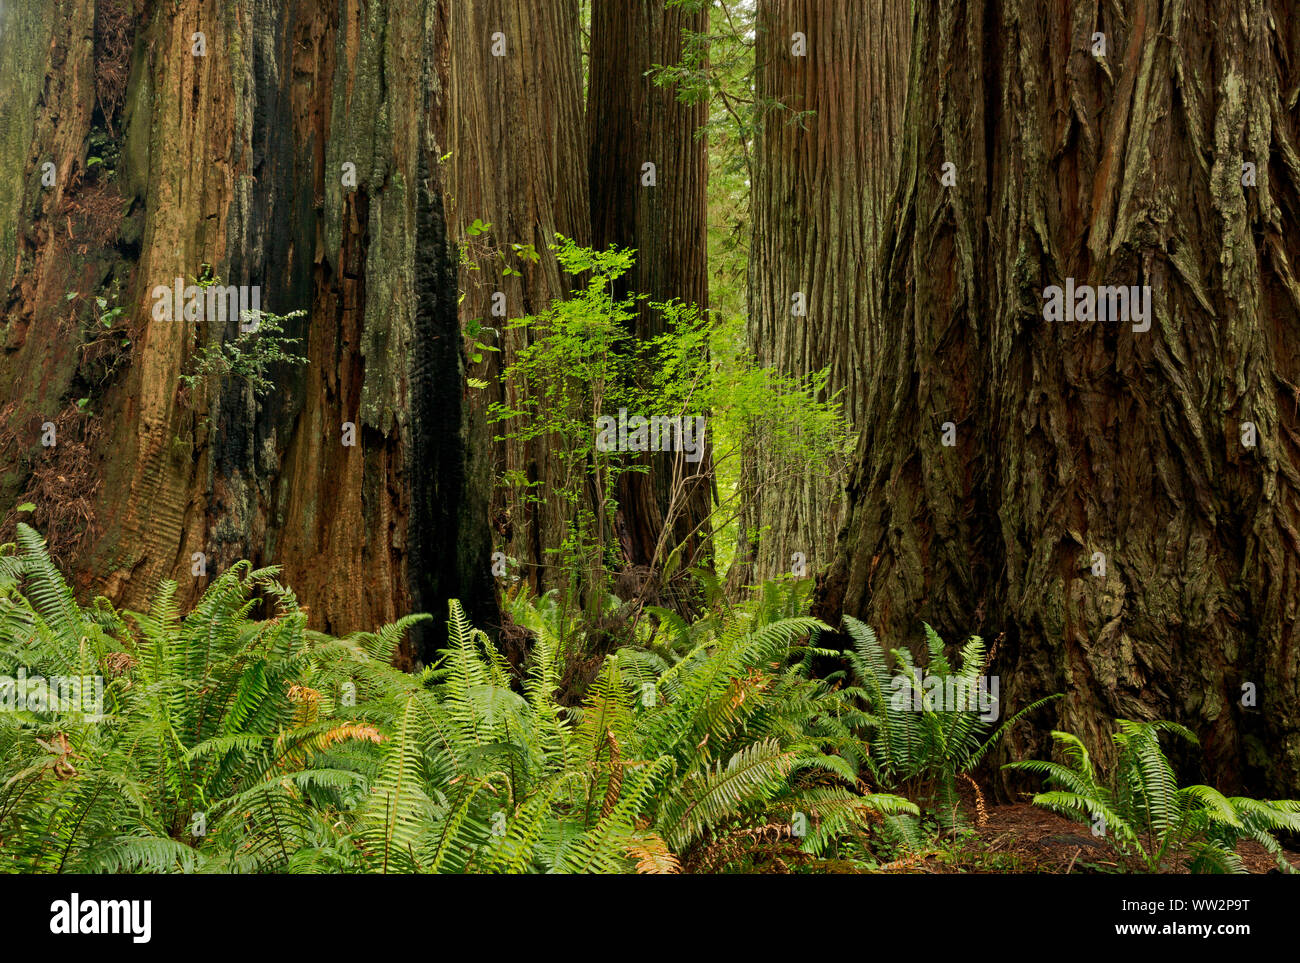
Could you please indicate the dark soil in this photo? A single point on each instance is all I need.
(1023, 838)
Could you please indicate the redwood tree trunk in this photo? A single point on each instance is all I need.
(831, 80)
(1081, 439)
(633, 122)
(229, 159)
(516, 138)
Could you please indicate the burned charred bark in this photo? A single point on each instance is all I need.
(286, 146)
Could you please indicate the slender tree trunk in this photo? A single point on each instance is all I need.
(830, 81)
(288, 146)
(1081, 442)
(648, 175)
(517, 147)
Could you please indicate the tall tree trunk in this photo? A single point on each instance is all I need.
(660, 211)
(1089, 441)
(830, 81)
(516, 139)
(229, 137)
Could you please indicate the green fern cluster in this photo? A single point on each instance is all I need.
(1146, 817)
(225, 743)
(230, 744)
(924, 753)
(213, 750)
(757, 748)
(704, 746)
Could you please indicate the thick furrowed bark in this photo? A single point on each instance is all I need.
(1075, 438)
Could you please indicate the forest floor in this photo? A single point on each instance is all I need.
(1021, 838)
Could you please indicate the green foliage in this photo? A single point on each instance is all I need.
(577, 361)
(105, 316)
(756, 745)
(581, 361)
(212, 750)
(575, 366)
(473, 329)
(227, 744)
(103, 151)
(923, 751)
(717, 67)
(1146, 817)
(250, 355)
(778, 424)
